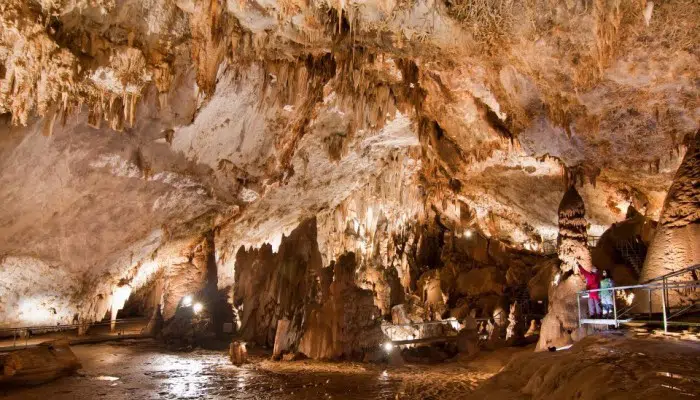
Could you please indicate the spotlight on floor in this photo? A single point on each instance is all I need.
(197, 308)
(388, 346)
(187, 301)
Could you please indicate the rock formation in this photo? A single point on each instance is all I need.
(572, 249)
(676, 244)
(572, 241)
(176, 147)
(347, 321)
(271, 287)
(623, 247)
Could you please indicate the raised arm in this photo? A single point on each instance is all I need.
(585, 273)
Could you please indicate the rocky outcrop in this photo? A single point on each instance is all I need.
(272, 286)
(572, 241)
(346, 323)
(676, 244)
(572, 249)
(288, 299)
(32, 366)
(623, 247)
(419, 147)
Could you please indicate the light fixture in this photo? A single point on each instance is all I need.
(388, 346)
(187, 301)
(467, 233)
(197, 308)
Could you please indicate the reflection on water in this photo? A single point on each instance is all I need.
(210, 375)
(106, 378)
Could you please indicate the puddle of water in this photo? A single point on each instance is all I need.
(106, 378)
(677, 376)
(678, 389)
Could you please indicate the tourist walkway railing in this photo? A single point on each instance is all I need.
(452, 322)
(624, 315)
(450, 336)
(25, 333)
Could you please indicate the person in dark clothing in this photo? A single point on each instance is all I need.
(592, 282)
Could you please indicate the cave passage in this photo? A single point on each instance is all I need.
(416, 199)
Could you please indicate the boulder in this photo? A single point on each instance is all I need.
(43, 363)
(396, 359)
(238, 353)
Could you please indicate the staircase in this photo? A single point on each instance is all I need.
(633, 252)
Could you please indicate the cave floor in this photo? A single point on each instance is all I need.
(145, 370)
(599, 367)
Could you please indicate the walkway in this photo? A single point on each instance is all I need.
(127, 328)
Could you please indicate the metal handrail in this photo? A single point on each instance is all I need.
(674, 273)
(664, 286)
(444, 321)
(17, 331)
(67, 326)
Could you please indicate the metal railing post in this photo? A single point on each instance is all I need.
(663, 305)
(615, 308)
(578, 302)
(650, 308)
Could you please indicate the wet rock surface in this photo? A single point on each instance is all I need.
(599, 367)
(148, 371)
(656, 368)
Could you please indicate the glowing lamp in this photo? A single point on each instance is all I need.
(388, 346)
(468, 233)
(187, 301)
(197, 308)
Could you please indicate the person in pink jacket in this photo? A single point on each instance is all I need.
(592, 282)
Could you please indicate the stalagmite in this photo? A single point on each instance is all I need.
(370, 181)
(572, 249)
(676, 243)
(238, 353)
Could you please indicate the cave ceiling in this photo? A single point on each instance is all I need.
(129, 124)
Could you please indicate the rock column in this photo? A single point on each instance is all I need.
(676, 244)
(572, 248)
